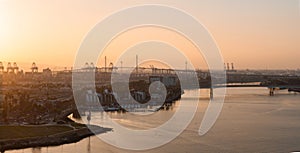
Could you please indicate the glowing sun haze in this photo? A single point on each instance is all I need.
(252, 34)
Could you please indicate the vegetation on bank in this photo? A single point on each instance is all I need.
(19, 137)
(19, 132)
(30, 131)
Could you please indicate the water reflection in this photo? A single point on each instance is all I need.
(124, 118)
(89, 146)
(36, 150)
(249, 118)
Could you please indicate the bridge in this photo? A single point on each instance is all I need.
(234, 78)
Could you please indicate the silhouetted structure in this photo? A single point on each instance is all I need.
(9, 68)
(1, 67)
(15, 68)
(34, 68)
(228, 67)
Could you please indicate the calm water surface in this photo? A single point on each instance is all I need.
(251, 121)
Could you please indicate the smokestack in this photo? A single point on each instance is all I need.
(232, 66)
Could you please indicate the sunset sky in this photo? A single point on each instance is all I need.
(255, 34)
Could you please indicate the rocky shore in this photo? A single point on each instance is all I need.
(52, 140)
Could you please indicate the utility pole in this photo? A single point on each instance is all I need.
(105, 64)
(186, 66)
(186, 70)
(121, 66)
(137, 64)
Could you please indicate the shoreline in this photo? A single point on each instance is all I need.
(67, 137)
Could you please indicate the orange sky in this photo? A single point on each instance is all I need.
(253, 34)
(121, 44)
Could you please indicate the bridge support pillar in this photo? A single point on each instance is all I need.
(89, 117)
(211, 93)
(272, 91)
